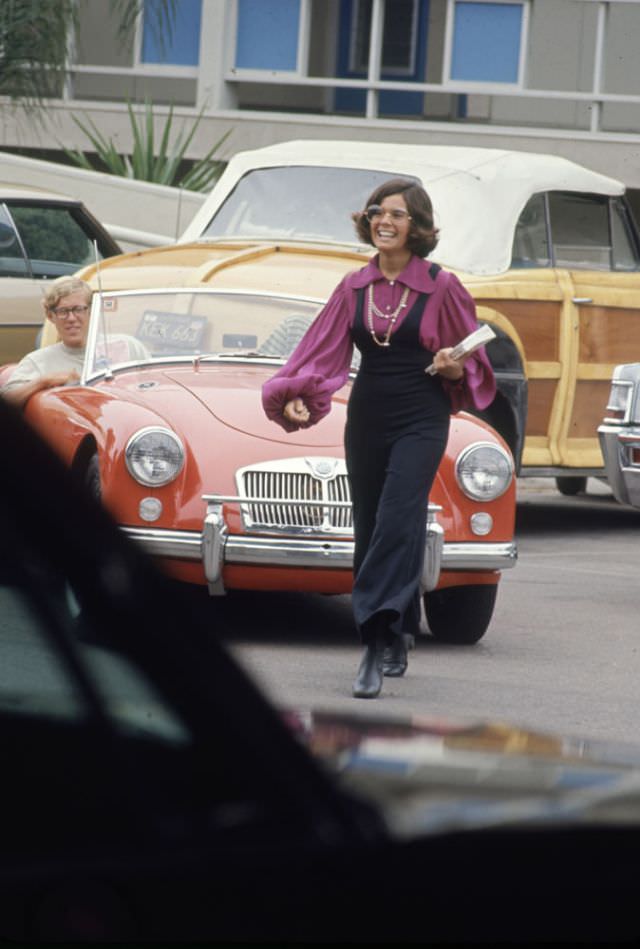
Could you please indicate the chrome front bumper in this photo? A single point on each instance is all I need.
(215, 548)
(617, 443)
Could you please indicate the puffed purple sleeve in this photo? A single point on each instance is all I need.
(456, 319)
(318, 366)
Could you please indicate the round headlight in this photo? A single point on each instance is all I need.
(154, 456)
(484, 471)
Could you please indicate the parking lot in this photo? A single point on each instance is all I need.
(561, 654)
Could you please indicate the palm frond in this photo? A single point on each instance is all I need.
(77, 158)
(33, 48)
(163, 148)
(34, 37)
(160, 15)
(138, 150)
(104, 148)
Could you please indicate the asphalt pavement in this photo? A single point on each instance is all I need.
(562, 653)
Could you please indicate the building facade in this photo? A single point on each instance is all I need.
(555, 76)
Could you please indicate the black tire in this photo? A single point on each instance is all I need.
(572, 485)
(460, 615)
(92, 478)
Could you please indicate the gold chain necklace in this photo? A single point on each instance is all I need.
(392, 317)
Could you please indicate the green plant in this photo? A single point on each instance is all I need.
(163, 164)
(34, 43)
(33, 49)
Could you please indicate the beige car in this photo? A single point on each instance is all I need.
(43, 235)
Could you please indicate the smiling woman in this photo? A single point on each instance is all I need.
(403, 313)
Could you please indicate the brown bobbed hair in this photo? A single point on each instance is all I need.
(423, 236)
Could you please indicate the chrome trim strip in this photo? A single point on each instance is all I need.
(616, 443)
(242, 499)
(21, 326)
(306, 502)
(432, 564)
(551, 471)
(214, 537)
(213, 291)
(308, 552)
(280, 552)
(303, 502)
(630, 438)
(608, 436)
(479, 556)
(176, 545)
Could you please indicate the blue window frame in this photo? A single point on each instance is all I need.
(182, 47)
(404, 50)
(267, 35)
(486, 41)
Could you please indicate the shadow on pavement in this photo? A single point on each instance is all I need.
(276, 617)
(548, 511)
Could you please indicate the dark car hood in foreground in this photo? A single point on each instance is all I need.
(434, 777)
(237, 835)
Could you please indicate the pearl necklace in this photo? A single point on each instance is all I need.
(391, 317)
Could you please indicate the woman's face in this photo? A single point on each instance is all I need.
(390, 228)
(70, 317)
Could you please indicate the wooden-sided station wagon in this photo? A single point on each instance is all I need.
(549, 250)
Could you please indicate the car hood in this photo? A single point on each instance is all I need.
(435, 776)
(231, 393)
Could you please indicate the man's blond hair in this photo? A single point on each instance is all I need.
(62, 287)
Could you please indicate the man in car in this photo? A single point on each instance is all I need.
(67, 303)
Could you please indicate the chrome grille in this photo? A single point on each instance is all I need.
(276, 486)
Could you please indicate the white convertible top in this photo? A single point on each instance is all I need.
(477, 193)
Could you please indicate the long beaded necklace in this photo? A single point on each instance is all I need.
(391, 317)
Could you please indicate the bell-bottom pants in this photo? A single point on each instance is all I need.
(390, 483)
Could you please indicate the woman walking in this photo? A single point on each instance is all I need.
(402, 313)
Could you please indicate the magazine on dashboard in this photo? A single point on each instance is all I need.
(468, 345)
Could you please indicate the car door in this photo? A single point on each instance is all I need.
(570, 303)
(595, 253)
(20, 295)
(527, 303)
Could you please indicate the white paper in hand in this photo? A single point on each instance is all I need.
(468, 345)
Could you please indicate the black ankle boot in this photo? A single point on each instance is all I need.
(395, 657)
(368, 681)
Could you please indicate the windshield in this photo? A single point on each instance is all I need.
(297, 203)
(137, 328)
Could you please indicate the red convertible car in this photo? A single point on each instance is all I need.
(166, 424)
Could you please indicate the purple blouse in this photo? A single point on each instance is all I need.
(320, 364)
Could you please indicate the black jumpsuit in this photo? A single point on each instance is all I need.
(395, 436)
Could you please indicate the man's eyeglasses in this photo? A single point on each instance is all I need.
(374, 213)
(63, 312)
